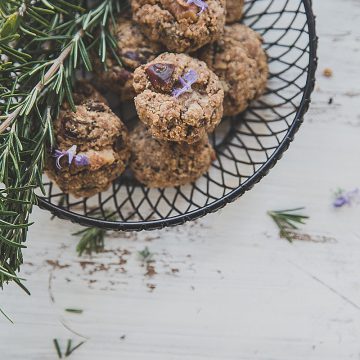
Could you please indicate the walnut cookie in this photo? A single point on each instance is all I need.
(179, 98)
(180, 25)
(162, 164)
(241, 64)
(98, 136)
(133, 50)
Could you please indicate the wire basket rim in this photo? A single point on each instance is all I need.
(234, 194)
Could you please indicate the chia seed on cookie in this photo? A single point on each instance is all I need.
(100, 137)
(179, 98)
(234, 10)
(241, 64)
(133, 50)
(162, 164)
(182, 26)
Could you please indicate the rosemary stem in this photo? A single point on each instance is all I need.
(41, 84)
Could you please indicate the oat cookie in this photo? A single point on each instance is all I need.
(234, 10)
(157, 163)
(179, 98)
(241, 64)
(134, 49)
(181, 25)
(92, 149)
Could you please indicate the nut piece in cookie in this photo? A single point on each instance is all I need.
(241, 64)
(92, 149)
(180, 25)
(133, 50)
(179, 98)
(165, 164)
(234, 10)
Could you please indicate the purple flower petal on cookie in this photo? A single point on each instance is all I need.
(186, 82)
(202, 5)
(59, 154)
(82, 160)
(71, 153)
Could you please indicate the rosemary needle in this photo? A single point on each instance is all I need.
(74, 311)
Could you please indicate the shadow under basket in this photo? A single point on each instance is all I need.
(247, 145)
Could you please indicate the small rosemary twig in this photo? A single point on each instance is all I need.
(92, 239)
(287, 221)
(146, 255)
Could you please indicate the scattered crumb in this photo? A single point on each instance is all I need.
(174, 271)
(123, 337)
(331, 100)
(83, 264)
(56, 264)
(328, 72)
(150, 270)
(312, 238)
(151, 287)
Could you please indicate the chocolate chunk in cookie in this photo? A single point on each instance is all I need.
(164, 164)
(180, 25)
(184, 105)
(241, 64)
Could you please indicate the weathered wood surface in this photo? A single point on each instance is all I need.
(226, 287)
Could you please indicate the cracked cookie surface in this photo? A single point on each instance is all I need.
(187, 117)
(241, 64)
(178, 25)
(162, 164)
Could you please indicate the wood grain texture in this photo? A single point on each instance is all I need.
(225, 287)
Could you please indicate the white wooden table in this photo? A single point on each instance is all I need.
(226, 286)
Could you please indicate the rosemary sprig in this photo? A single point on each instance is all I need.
(287, 221)
(92, 239)
(42, 44)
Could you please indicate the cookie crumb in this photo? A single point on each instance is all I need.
(328, 72)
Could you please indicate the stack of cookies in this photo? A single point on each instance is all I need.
(185, 64)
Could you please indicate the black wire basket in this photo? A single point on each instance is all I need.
(247, 145)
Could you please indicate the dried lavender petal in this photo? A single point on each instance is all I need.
(346, 198)
(202, 5)
(186, 82)
(82, 160)
(71, 153)
(160, 75)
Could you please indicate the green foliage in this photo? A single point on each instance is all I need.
(42, 44)
(288, 221)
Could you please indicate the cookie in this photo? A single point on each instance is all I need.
(181, 25)
(133, 50)
(92, 149)
(234, 10)
(179, 98)
(84, 91)
(241, 64)
(161, 164)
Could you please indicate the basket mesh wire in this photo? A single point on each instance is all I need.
(247, 145)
